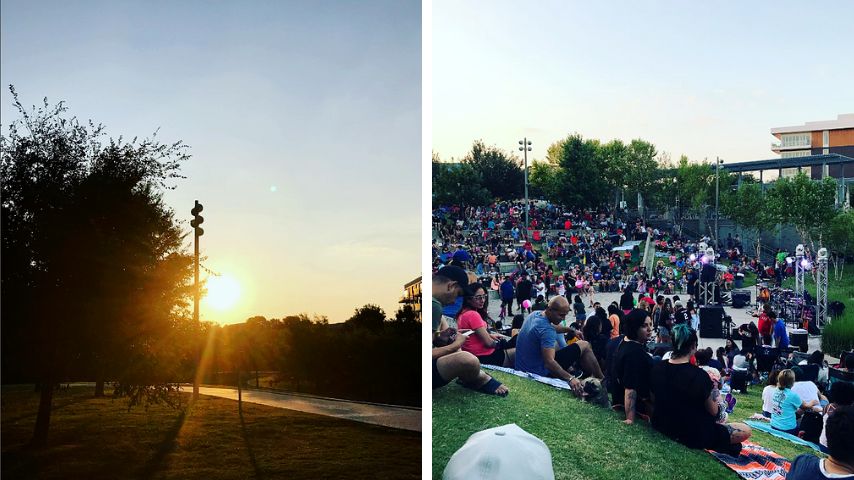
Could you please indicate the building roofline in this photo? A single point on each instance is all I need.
(775, 163)
(413, 282)
(845, 120)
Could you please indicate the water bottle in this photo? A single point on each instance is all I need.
(725, 389)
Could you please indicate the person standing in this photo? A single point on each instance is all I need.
(523, 291)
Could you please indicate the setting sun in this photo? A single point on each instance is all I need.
(223, 292)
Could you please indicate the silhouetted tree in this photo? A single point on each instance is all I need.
(93, 275)
(369, 317)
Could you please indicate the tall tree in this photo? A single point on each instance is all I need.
(500, 174)
(748, 207)
(807, 205)
(582, 169)
(94, 278)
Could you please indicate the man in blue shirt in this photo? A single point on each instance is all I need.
(536, 352)
(781, 337)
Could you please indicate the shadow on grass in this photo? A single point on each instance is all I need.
(167, 446)
(249, 447)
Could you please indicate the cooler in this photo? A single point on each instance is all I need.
(799, 338)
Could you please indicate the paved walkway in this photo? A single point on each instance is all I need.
(386, 415)
(739, 316)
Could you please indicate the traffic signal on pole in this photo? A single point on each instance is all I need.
(197, 219)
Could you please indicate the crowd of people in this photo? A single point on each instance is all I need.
(642, 349)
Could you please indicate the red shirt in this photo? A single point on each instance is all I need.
(765, 324)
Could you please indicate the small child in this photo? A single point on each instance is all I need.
(724, 407)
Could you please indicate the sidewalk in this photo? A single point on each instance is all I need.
(388, 416)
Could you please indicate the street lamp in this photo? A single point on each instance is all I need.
(525, 146)
(718, 163)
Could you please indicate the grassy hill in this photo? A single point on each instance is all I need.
(586, 442)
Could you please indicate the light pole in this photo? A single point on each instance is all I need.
(525, 146)
(198, 231)
(718, 163)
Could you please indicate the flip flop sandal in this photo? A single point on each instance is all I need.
(490, 388)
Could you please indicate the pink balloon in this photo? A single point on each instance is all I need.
(579, 284)
(526, 304)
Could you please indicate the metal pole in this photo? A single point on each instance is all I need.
(717, 194)
(196, 296)
(525, 146)
(527, 205)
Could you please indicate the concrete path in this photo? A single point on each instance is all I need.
(739, 316)
(404, 418)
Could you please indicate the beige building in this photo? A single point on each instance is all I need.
(412, 296)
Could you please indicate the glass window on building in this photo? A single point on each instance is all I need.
(794, 153)
(795, 140)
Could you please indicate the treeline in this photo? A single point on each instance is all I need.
(587, 173)
(368, 357)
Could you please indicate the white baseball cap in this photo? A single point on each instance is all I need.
(505, 452)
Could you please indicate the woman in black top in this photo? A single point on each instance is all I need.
(684, 409)
(627, 302)
(632, 365)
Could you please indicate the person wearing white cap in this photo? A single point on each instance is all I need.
(501, 453)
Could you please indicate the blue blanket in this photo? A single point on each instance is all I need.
(767, 428)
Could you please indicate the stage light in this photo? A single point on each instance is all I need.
(692, 257)
(704, 259)
(805, 264)
(799, 250)
(790, 260)
(822, 253)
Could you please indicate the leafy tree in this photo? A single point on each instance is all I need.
(581, 174)
(94, 278)
(840, 240)
(500, 174)
(544, 181)
(807, 205)
(458, 184)
(748, 207)
(369, 317)
(406, 315)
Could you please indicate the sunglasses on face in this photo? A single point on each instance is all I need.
(478, 297)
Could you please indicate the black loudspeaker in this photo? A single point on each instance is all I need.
(740, 298)
(712, 321)
(707, 274)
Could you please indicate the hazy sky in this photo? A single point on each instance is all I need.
(304, 120)
(695, 78)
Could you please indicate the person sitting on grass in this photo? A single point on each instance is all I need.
(768, 393)
(785, 404)
(682, 395)
(807, 389)
(632, 365)
(840, 446)
(485, 346)
(841, 395)
(448, 361)
(536, 352)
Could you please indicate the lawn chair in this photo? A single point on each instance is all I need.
(836, 375)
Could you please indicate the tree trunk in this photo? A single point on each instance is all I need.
(99, 388)
(43, 417)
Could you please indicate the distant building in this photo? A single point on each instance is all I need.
(412, 297)
(816, 138)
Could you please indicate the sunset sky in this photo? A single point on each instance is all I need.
(703, 79)
(304, 120)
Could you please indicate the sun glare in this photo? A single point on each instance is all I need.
(223, 292)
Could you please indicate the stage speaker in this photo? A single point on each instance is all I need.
(711, 321)
(740, 298)
(707, 273)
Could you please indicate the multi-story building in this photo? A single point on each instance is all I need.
(413, 296)
(816, 138)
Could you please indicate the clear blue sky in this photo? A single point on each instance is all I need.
(319, 101)
(703, 79)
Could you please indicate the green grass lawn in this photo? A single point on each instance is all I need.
(97, 438)
(586, 442)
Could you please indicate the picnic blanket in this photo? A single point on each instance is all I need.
(755, 463)
(767, 428)
(555, 382)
